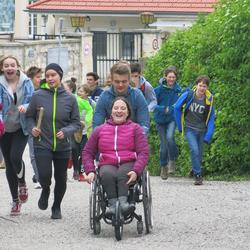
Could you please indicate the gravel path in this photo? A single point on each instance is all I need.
(213, 216)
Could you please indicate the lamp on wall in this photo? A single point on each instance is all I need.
(77, 22)
(147, 18)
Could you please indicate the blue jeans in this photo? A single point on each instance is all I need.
(195, 141)
(168, 147)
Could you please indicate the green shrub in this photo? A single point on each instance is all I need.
(217, 45)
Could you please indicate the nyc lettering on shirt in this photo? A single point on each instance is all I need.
(197, 108)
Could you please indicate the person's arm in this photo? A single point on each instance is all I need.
(142, 114)
(89, 152)
(150, 96)
(31, 114)
(100, 113)
(142, 151)
(178, 110)
(159, 109)
(210, 127)
(74, 120)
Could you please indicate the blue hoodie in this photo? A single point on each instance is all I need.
(166, 97)
(183, 104)
(137, 102)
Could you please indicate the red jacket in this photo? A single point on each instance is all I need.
(117, 144)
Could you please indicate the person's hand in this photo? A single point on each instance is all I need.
(166, 109)
(60, 135)
(132, 177)
(21, 109)
(2, 128)
(90, 177)
(36, 132)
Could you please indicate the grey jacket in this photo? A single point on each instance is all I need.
(60, 114)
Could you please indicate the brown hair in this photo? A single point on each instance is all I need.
(85, 88)
(170, 69)
(3, 58)
(120, 69)
(135, 67)
(71, 84)
(94, 75)
(125, 101)
(204, 79)
(33, 71)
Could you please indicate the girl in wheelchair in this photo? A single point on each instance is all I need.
(123, 154)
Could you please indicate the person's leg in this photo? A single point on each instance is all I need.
(122, 178)
(60, 160)
(32, 159)
(82, 145)
(2, 164)
(6, 142)
(75, 156)
(123, 187)
(18, 143)
(200, 143)
(192, 139)
(82, 175)
(43, 159)
(108, 178)
(172, 147)
(163, 150)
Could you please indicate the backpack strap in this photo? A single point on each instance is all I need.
(142, 88)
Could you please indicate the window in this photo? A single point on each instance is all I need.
(32, 21)
(127, 43)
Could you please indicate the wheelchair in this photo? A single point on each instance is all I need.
(140, 192)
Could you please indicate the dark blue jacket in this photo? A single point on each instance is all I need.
(166, 97)
(136, 100)
(95, 94)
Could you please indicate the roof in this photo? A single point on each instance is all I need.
(123, 6)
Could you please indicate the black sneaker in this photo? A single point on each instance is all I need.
(43, 200)
(56, 213)
(191, 174)
(198, 180)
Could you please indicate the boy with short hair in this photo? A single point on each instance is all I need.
(141, 83)
(194, 115)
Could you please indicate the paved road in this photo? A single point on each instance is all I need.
(213, 216)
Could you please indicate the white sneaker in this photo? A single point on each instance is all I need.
(37, 185)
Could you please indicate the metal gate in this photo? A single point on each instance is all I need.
(109, 48)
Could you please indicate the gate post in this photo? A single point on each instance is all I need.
(151, 42)
(86, 54)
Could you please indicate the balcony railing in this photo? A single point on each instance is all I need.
(45, 37)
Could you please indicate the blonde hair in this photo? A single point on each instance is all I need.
(85, 88)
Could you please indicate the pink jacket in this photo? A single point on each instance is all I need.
(117, 144)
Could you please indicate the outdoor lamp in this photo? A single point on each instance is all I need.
(77, 22)
(147, 18)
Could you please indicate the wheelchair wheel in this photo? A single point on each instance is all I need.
(118, 223)
(147, 202)
(95, 208)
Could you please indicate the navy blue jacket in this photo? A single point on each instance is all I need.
(166, 97)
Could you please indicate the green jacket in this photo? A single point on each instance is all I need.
(86, 114)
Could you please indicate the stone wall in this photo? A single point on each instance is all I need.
(35, 53)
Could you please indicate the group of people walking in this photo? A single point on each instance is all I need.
(56, 118)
